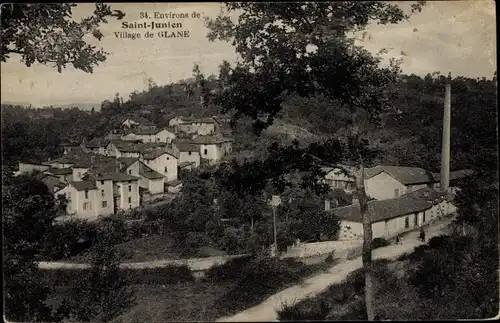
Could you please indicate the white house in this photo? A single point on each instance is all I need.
(188, 154)
(387, 182)
(150, 135)
(149, 179)
(89, 199)
(162, 161)
(27, 167)
(121, 149)
(213, 148)
(392, 216)
(336, 178)
(190, 125)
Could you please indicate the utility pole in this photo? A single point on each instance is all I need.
(275, 201)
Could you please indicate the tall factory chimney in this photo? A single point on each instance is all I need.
(445, 147)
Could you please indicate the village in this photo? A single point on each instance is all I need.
(140, 163)
(269, 162)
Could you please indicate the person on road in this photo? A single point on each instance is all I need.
(422, 234)
(397, 239)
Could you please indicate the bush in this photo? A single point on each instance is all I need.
(151, 276)
(230, 270)
(259, 279)
(379, 243)
(318, 311)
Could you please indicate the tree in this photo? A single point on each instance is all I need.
(28, 212)
(45, 33)
(101, 293)
(303, 48)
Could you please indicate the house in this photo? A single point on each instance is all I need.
(173, 186)
(163, 161)
(96, 145)
(149, 179)
(189, 125)
(164, 135)
(188, 154)
(125, 188)
(52, 182)
(391, 217)
(336, 178)
(69, 147)
(387, 182)
(455, 177)
(29, 166)
(213, 148)
(63, 174)
(137, 122)
(122, 148)
(89, 199)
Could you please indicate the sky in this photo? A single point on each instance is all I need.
(447, 36)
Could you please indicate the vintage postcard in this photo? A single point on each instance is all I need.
(249, 161)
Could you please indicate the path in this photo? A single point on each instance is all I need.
(266, 311)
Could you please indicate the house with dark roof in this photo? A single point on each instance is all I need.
(150, 181)
(136, 122)
(63, 174)
(162, 160)
(189, 154)
(190, 125)
(96, 145)
(212, 148)
(386, 182)
(164, 135)
(391, 217)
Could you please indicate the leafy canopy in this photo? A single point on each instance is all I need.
(46, 33)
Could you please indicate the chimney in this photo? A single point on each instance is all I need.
(445, 147)
(327, 205)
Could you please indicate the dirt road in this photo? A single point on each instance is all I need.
(266, 311)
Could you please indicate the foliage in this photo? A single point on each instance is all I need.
(45, 33)
(29, 210)
(379, 243)
(229, 270)
(63, 239)
(102, 292)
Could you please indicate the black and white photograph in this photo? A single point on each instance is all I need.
(249, 161)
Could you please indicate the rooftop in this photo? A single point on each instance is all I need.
(150, 155)
(60, 171)
(210, 140)
(384, 209)
(149, 173)
(84, 185)
(187, 147)
(405, 175)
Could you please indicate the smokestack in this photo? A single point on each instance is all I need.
(445, 147)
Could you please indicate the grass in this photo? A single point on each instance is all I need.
(155, 247)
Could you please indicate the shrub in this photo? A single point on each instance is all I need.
(441, 241)
(260, 278)
(229, 270)
(170, 274)
(318, 311)
(379, 243)
(150, 276)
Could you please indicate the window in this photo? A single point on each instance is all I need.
(102, 192)
(166, 169)
(102, 182)
(168, 158)
(396, 192)
(129, 171)
(130, 188)
(86, 194)
(205, 152)
(85, 205)
(407, 223)
(79, 174)
(104, 203)
(189, 153)
(423, 219)
(130, 200)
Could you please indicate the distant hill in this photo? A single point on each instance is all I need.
(81, 106)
